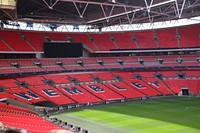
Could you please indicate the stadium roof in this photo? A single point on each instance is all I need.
(101, 13)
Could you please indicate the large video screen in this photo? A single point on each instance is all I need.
(62, 50)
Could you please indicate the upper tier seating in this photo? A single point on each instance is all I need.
(4, 47)
(124, 40)
(145, 40)
(189, 36)
(35, 38)
(103, 42)
(167, 38)
(13, 39)
(24, 119)
(181, 37)
(83, 38)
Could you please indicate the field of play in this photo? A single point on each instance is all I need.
(164, 115)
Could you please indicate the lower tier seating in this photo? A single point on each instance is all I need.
(24, 119)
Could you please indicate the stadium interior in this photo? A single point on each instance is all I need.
(45, 69)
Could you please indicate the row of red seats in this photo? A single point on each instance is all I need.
(166, 38)
(65, 93)
(16, 117)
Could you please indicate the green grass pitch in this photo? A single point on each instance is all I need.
(165, 115)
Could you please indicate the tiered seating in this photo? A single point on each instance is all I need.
(167, 38)
(31, 69)
(103, 42)
(110, 63)
(8, 83)
(13, 39)
(6, 70)
(85, 77)
(24, 119)
(78, 94)
(58, 79)
(23, 62)
(35, 38)
(145, 74)
(84, 39)
(3, 95)
(157, 85)
(93, 66)
(145, 40)
(32, 80)
(192, 73)
(169, 74)
(24, 95)
(51, 94)
(189, 36)
(124, 90)
(139, 86)
(104, 75)
(73, 67)
(4, 63)
(4, 47)
(53, 68)
(124, 75)
(102, 92)
(124, 40)
(46, 62)
(177, 85)
(57, 36)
